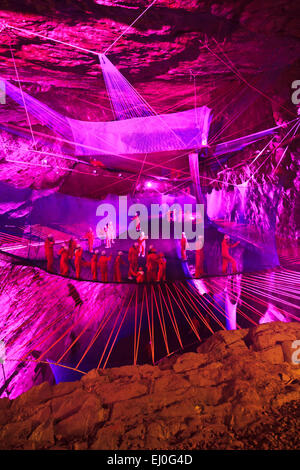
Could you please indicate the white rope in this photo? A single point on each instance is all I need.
(285, 150)
(262, 151)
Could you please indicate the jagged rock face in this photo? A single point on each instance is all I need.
(157, 55)
(239, 391)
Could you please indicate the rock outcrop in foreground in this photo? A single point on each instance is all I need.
(240, 390)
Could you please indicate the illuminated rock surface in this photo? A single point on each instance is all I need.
(239, 391)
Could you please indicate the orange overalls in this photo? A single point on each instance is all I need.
(140, 277)
(183, 248)
(152, 260)
(64, 261)
(199, 271)
(137, 223)
(227, 258)
(94, 264)
(133, 260)
(103, 263)
(162, 264)
(199, 268)
(117, 268)
(72, 246)
(49, 244)
(142, 244)
(90, 237)
(78, 256)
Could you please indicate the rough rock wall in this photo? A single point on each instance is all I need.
(239, 391)
(28, 298)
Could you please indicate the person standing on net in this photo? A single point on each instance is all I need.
(226, 257)
(183, 246)
(137, 221)
(78, 260)
(162, 266)
(90, 238)
(64, 260)
(133, 254)
(49, 252)
(103, 263)
(94, 265)
(199, 256)
(142, 244)
(117, 267)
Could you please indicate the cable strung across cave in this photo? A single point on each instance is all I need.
(165, 314)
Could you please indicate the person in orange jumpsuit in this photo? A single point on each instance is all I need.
(162, 265)
(49, 244)
(136, 218)
(133, 254)
(151, 250)
(142, 244)
(117, 267)
(226, 257)
(183, 246)
(64, 260)
(103, 263)
(78, 260)
(94, 265)
(199, 265)
(152, 266)
(90, 238)
(107, 238)
(72, 247)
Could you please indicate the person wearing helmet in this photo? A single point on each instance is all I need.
(64, 260)
(90, 238)
(103, 263)
(71, 247)
(183, 246)
(94, 265)
(162, 265)
(140, 275)
(152, 266)
(78, 260)
(142, 244)
(117, 267)
(137, 222)
(49, 247)
(133, 254)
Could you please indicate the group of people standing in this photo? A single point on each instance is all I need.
(155, 264)
(108, 234)
(152, 270)
(73, 251)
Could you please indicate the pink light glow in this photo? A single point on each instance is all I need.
(273, 314)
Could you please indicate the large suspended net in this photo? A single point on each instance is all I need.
(137, 129)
